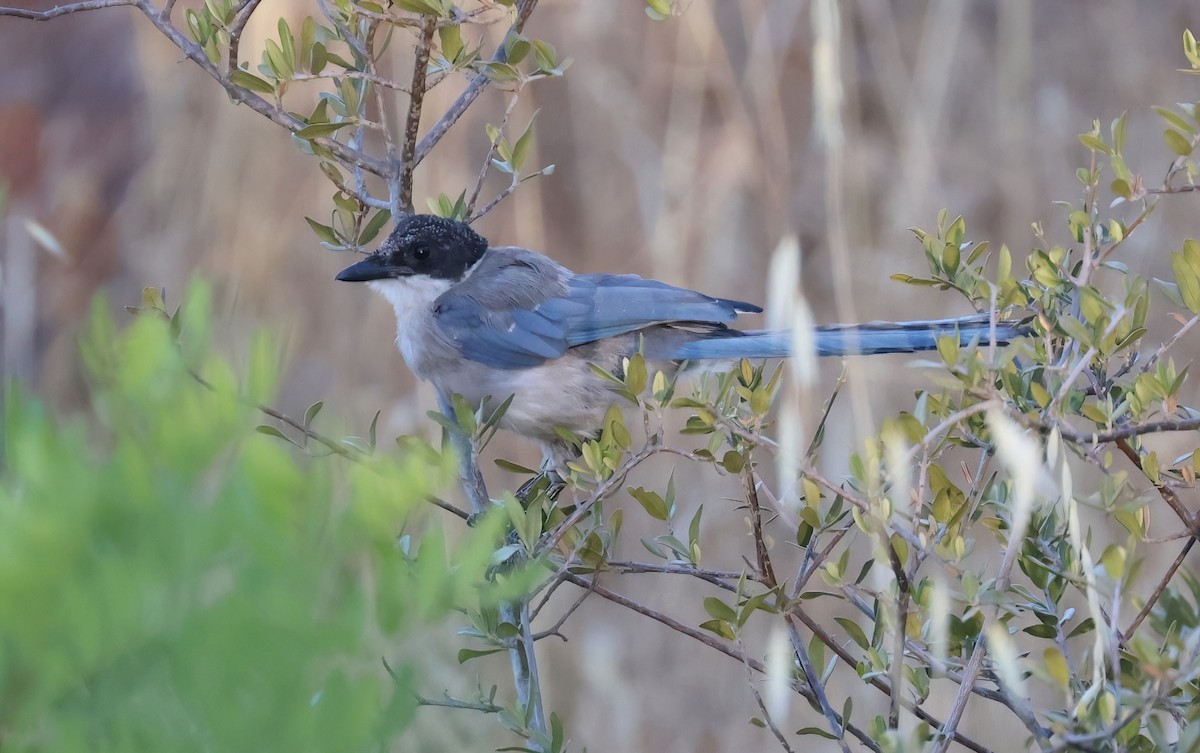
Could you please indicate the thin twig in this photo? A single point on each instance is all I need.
(881, 685)
(557, 626)
(813, 678)
(472, 92)
(505, 194)
(975, 663)
(762, 556)
(487, 159)
(376, 79)
(62, 10)
(951, 421)
(385, 118)
(552, 537)
(244, 96)
(235, 33)
(1124, 432)
(715, 577)
(762, 707)
(1152, 360)
(1158, 590)
(334, 446)
(713, 643)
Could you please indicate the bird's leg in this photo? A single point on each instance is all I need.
(547, 481)
(468, 466)
(552, 477)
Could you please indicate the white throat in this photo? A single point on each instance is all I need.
(412, 299)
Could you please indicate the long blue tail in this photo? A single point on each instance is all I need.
(871, 338)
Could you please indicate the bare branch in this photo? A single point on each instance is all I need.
(713, 643)
(487, 159)
(379, 81)
(63, 10)
(763, 558)
(235, 33)
(762, 707)
(881, 685)
(504, 194)
(557, 626)
(1158, 590)
(408, 161)
(814, 683)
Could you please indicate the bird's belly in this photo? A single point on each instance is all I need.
(560, 393)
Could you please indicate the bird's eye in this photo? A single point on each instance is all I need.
(420, 252)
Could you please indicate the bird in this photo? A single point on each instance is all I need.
(493, 322)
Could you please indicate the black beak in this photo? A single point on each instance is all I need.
(371, 268)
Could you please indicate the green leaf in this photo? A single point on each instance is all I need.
(317, 130)
(521, 149)
(324, 232)
(512, 467)
(635, 374)
(855, 632)
(720, 627)
(423, 7)
(1177, 142)
(1188, 280)
(719, 609)
(287, 44)
(373, 226)
(547, 56)
(466, 654)
(273, 432)
(277, 61)
(320, 56)
(312, 412)
(733, 461)
(658, 9)
(451, 39)
(652, 502)
(1175, 120)
(1095, 143)
(248, 80)
(818, 732)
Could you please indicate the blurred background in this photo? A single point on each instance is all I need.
(685, 150)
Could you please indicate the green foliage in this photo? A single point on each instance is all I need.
(171, 579)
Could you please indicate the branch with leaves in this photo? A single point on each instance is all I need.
(987, 456)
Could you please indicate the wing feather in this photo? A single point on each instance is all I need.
(518, 309)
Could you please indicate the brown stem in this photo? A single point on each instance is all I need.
(1124, 432)
(761, 555)
(62, 10)
(408, 160)
(235, 33)
(471, 93)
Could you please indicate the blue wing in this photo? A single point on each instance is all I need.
(520, 309)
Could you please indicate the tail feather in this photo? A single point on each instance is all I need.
(871, 338)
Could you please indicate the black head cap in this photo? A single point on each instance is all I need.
(421, 244)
